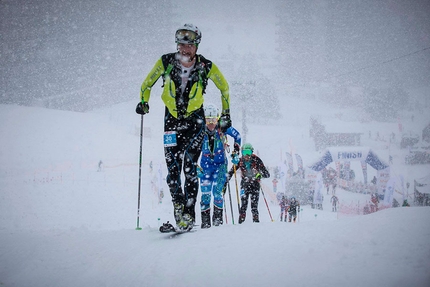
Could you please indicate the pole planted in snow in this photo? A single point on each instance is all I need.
(140, 174)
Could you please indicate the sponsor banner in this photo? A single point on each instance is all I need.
(290, 163)
(299, 161)
(383, 177)
(350, 155)
(364, 168)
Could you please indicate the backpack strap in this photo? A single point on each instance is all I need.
(202, 72)
(168, 70)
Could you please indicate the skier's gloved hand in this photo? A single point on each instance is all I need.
(234, 159)
(258, 176)
(224, 122)
(236, 148)
(142, 108)
(200, 172)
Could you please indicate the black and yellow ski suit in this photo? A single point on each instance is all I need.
(184, 121)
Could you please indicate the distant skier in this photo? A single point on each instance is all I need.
(293, 208)
(100, 166)
(375, 201)
(252, 170)
(213, 165)
(283, 204)
(275, 185)
(334, 200)
(405, 203)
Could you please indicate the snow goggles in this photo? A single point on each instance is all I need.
(211, 120)
(246, 152)
(186, 37)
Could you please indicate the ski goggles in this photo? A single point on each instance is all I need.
(246, 152)
(211, 120)
(186, 37)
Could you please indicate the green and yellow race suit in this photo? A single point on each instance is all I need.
(181, 105)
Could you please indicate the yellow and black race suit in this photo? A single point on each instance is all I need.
(184, 116)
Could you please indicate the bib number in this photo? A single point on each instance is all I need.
(170, 139)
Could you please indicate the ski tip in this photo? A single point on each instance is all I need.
(138, 228)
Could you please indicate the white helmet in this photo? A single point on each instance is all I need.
(211, 111)
(188, 34)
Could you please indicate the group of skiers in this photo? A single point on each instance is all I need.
(194, 130)
(289, 208)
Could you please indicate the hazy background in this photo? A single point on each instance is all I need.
(79, 55)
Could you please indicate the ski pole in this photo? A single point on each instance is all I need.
(224, 209)
(266, 203)
(231, 204)
(237, 188)
(140, 173)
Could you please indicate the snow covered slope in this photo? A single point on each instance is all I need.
(64, 223)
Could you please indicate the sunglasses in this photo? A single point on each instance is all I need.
(186, 36)
(246, 152)
(213, 120)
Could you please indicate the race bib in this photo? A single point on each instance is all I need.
(170, 138)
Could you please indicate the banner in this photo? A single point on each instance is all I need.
(389, 192)
(337, 163)
(290, 164)
(347, 170)
(364, 168)
(383, 177)
(299, 161)
(282, 168)
(300, 171)
(318, 194)
(402, 182)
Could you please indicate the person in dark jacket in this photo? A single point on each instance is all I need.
(293, 208)
(283, 203)
(252, 170)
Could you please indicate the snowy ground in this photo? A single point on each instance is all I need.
(63, 223)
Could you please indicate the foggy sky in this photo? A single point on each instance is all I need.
(78, 55)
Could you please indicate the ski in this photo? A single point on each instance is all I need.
(167, 228)
(175, 234)
(171, 231)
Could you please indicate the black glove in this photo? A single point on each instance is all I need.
(224, 122)
(142, 109)
(236, 148)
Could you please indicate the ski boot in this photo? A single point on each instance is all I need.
(255, 218)
(167, 227)
(242, 217)
(186, 224)
(177, 211)
(217, 216)
(206, 219)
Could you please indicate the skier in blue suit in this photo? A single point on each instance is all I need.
(213, 166)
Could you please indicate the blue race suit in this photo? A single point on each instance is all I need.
(214, 164)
